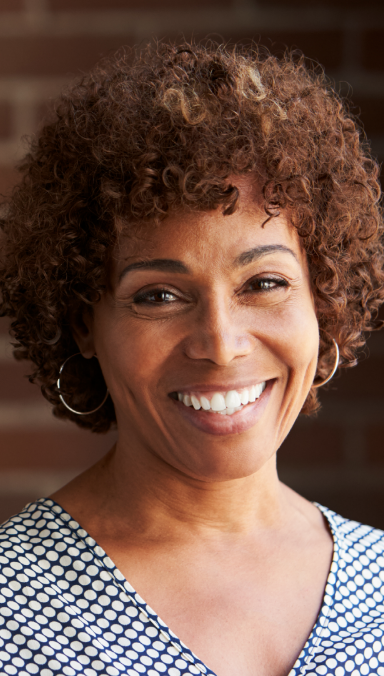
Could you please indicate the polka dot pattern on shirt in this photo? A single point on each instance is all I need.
(66, 609)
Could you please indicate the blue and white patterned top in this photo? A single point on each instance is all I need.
(66, 609)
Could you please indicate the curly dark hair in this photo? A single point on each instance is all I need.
(166, 128)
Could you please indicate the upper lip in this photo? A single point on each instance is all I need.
(219, 387)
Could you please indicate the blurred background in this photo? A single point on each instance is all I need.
(336, 458)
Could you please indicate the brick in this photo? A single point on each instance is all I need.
(364, 380)
(8, 178)
(371, 113)
(42, 112)
(14, 384)
(5, 120)
(372, 56)
(38, 55)
(67, 448)
(33, 55)
(4, 326)
(11, 5)
(13, 505)
(144, 5)
(347, 4)
(311, 443)
(375, 444)
(326, 47)
(366, 507)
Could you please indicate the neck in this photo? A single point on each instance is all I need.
(142, 492)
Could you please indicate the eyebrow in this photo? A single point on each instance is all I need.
(166, 264)
(258, 251)
(170, 265)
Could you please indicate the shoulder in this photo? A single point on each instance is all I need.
(63, 601)
(39, 535)
(38, 520)
(358, 560)
(355, 537)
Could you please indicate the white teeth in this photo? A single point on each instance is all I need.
(244, 397)
(258, 390)
(195, 403)
(232, 399)
(218, 402)
(205, 403)
(225, 404)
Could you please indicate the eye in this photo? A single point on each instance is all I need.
(155, 297)
(266, 284)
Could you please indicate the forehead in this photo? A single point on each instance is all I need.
(211, 237)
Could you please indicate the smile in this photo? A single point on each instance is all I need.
(224, 403)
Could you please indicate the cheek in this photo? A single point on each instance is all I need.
(294, 335)
(134, 353)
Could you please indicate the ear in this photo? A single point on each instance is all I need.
(81, 322)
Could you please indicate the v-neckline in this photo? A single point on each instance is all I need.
(312, 643)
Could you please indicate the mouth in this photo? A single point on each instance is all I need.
(224, 411)
(223, 403)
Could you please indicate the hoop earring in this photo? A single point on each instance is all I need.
(62, 398)
(334, 367)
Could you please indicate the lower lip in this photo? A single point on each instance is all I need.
(215, 423)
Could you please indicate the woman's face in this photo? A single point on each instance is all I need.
(208, 309)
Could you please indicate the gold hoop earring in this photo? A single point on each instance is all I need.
(62, 398)
(334, 367)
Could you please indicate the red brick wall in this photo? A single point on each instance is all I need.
(339, 457)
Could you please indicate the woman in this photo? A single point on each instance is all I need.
(195, 241)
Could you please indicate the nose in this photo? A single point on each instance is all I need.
(218, 335)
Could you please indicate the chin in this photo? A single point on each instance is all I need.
(227, 464)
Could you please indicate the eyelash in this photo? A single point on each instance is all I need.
(277, 282)
(142, 298)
